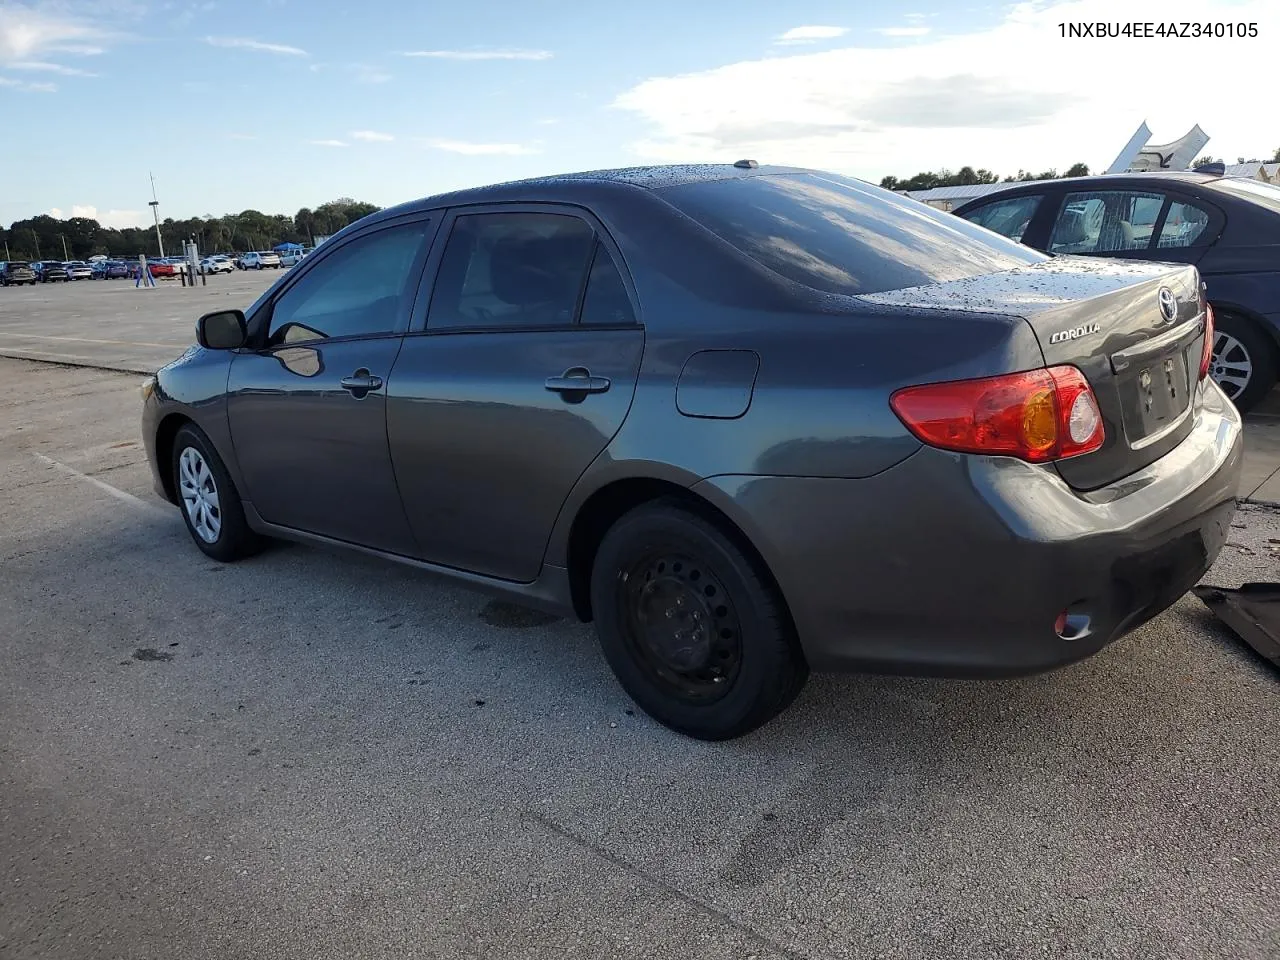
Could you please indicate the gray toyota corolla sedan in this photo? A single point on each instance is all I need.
(750, 421)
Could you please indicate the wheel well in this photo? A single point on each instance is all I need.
(1269, 333)
(165, 434)
(607, 505)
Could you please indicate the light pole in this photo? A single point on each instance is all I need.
(155, 212)
(65, 255)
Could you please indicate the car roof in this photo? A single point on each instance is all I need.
(588, 183)
(1109, 181)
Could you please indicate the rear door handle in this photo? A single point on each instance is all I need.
(578, 380)
(360, 383)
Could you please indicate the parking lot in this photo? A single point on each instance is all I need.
(319, 755)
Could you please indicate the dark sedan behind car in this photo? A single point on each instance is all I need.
(1229, 228)
(751, 422)
(51, 271)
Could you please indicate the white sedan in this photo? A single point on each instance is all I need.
(217, 264)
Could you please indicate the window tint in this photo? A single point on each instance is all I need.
(1184, 225)
(1009, 218)
(353, 292)
(606, 300)
(843, 236)
(1105, 221)
(511, 269)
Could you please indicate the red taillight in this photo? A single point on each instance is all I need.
(1037, 415)
(1206, 352)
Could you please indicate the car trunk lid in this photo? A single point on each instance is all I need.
(1134, 329)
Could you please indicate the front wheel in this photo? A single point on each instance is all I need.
(208, 498)
(1244, 360)
(695, 631)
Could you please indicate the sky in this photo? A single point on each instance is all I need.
(280, 104)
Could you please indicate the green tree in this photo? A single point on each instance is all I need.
(1077, 170)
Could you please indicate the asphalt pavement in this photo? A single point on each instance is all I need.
(318, 755)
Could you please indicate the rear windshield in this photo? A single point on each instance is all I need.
(843, 236)
(18, 264)
(1261, 193)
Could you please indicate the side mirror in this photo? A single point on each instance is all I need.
(222, 330)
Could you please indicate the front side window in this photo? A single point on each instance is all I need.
(1105, 221)
(1009, 218)
(511, 270)
(356, 291)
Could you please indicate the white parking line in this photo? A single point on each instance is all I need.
(107, 488)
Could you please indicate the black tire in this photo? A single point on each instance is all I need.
(234, 540)
(1261, 355)
(741, 662)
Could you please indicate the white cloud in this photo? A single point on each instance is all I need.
(1016, 94)
(27, 32)
(482, 54)
(122, 219)
(243, 43)
(115, 219)
(327, 143)
(903, 31)
(810, 34)
(472, 149)
(25, 87)
(40, 66)
(371, 136)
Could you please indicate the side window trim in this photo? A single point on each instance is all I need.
(260, 321)
(426, 285)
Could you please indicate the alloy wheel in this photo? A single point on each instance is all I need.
(1231, 366)
(199, 495)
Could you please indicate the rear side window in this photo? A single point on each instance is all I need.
(1009, 218)
(1105, 221)
(606, 300)
(1184, 225)
(511, 270)
(842, 236)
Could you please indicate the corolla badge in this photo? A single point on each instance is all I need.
(1168, 304)
(1075, 333)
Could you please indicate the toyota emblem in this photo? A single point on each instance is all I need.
(1168, 304)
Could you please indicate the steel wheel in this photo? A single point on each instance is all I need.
(1232, 365)
(681, 623)
(199, 495)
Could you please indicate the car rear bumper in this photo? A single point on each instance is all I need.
(958, 565)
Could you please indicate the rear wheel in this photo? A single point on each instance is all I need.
(208, 499)
(1244, 360)
(694, 631)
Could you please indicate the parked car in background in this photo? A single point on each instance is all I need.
(261, 260)
(217, 264)
(162, 269)
(1228, 228)
(14, 273)
(50, 271)
(760, 421)
(78, 270)
(291, 258)
(113, 269)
